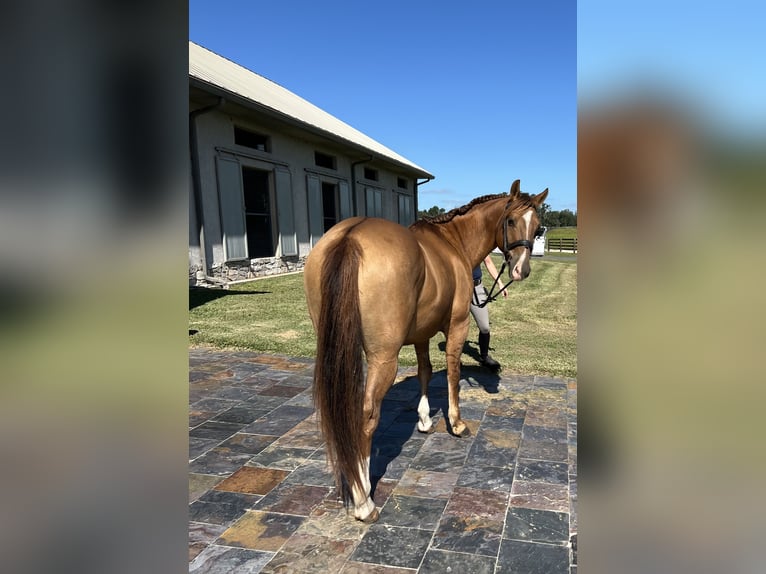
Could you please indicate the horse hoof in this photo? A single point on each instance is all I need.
(371, 517)
(463, 433)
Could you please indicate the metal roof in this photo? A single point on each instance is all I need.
(209, 67)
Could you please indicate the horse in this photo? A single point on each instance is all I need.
(373, 285)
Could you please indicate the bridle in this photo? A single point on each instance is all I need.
(507, 247)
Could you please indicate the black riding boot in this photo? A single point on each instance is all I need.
(485, 359)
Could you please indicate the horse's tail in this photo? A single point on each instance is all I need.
(339, 372)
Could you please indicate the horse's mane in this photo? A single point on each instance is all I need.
(525, 199)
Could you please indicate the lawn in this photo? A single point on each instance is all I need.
(533, 330)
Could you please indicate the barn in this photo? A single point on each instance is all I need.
(271, 173)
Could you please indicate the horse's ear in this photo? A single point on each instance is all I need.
(515, 191)
(539, 198)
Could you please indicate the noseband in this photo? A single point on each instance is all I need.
(508, 246)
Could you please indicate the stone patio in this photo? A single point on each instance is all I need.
(262, 498)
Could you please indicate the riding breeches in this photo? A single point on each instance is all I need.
(480, 314)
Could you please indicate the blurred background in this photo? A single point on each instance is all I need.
(671, 180)
(93, 238)
(93, 340)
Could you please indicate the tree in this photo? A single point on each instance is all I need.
(431, 211)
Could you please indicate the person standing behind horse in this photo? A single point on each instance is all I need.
(481, 313)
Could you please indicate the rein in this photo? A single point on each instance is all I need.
(492, 296)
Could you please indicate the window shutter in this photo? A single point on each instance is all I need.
(316, 224)
(369, 201)
(232, 209)
(405, 209)
(285, 218)
(345, 199)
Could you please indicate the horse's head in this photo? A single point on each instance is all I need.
(518, 228)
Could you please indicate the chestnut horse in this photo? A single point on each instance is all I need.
(376, 286)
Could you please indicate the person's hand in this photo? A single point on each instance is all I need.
(505, 293)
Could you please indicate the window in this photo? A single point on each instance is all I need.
(325, 160)
(402, 183)
(329, 205)
(371, 174)
(252, 140)
(257, 194)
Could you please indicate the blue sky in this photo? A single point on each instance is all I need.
(709, 55)
(477, 93)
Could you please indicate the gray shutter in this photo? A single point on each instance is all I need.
(345, 199)
(232, 209)
(378, 203)
(285, 218)
(370, 202)
(316, 223)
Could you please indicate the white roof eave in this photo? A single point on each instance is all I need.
(214, 70)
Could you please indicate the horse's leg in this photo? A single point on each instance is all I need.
(380, 377)
(425, 370)
(454, 349)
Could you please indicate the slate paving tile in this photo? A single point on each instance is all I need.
(252, 480)
(220, 461)
(304, 399)
(494, 448)
(279, 421)
(310, 554)
(508, 407)
(518, 557)
(243, 413)
(545, 416)
(305, 434)
(382, 490)
(542, 471)
(267, 401)
(286, 458)
(442, 453)
(200, 537)
(439, 562)
(472, 522)
(234, 393)
(362, 568)
(426, 483)
(540, 495)
(331, 519)
(197, 417)
(486, 477)
(244, 443)
(223, 560)
(214, 405)
(544, 450)
(199, 484)
(199, 446)
(220, 507)
(541, 433)
(471, 515)
(280, 390)
(298, 499)
(393, 546)
(537, 526)
(412, 511)
(215, 430)
(259, 530)
(313, 473)
(502, 423)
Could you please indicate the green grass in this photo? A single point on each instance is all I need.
(533, 330)
(562, 233)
